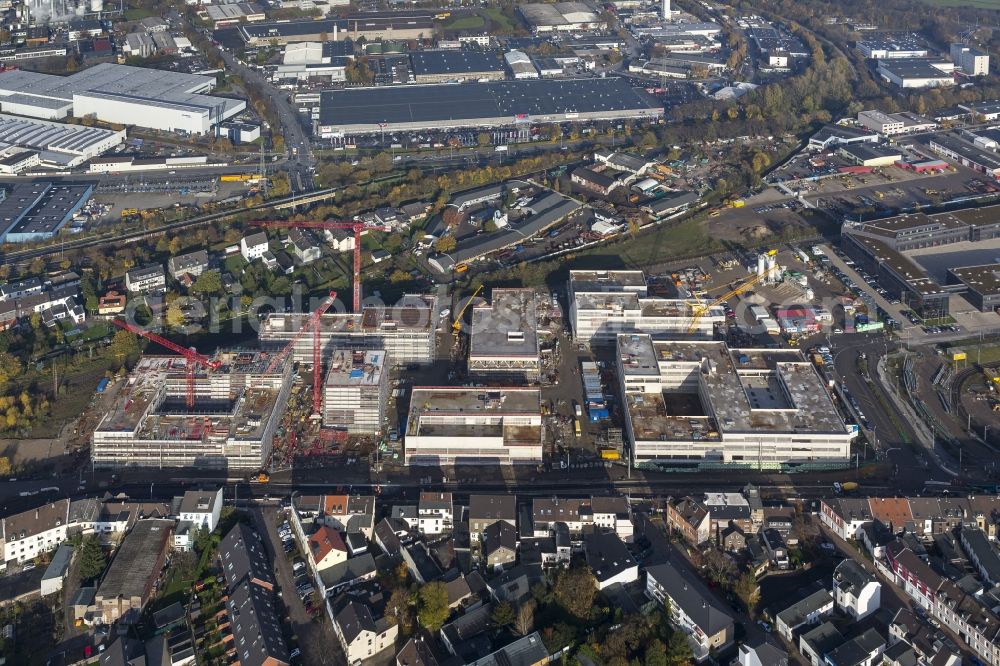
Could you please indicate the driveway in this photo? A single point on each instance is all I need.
(316, 638)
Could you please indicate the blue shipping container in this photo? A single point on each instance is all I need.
(102, 385)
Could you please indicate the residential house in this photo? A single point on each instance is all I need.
(414, 212)
(326, 548)
(30, 533)
(546, 512)
(525, 651)
(819, 641)
(804, 612)
(690, 518)
(197, 510)
(435, 513)
(609, 559)
(348, 513)
(856, 591)
(845, 515)
(693, 608)
(464, 637)
(484, 510)
(20, 289)
(595, 181)
(733, 540)
(416, 652)
(244, 558)
(777, 551)
(862, 650)
(764, 654)
(725, 509)
(111, 303)
(256, 627)
(613, 513)
(361, 626)
(914, 575)
(304, 246)
(192, 263)
(499, 544)
(982, 554)
(254, 246)
(146, 279)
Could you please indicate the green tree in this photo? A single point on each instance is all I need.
(575, 589)
(175, 318)
(91, 558)
(399, 276)
(209, 282)
(679, 650)
(503, 614)
(10, 367)
(432, 606)
(446, 244)
(124, 345)
(656, 653)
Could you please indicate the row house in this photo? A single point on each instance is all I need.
(579, 515)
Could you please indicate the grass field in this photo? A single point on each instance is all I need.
(466, 23)
(500, 20)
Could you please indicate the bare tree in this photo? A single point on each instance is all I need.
(524, 623)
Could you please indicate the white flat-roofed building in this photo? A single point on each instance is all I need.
(157, 99)
(606, 303)
(356, 390)
(406, 331)
(449, 425)
(239, 406)
(880, 122)
(972, 61)
(702, 403)
(504, 341)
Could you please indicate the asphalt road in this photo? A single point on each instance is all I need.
(293, 131)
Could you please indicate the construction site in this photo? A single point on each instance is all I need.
(223, 416)
(406, 331)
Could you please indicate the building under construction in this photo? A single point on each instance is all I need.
(356, 390)
(503, 346)
(406, 331)
(231, 424)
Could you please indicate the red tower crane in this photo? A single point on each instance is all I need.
(310, 326)
(189, 353)
(356, 227)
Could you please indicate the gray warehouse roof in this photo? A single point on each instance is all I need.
(471, 101)
(450, 61)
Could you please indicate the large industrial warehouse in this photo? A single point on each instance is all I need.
(153, 98)
(503, 345)
(59, 144)
(489, 104)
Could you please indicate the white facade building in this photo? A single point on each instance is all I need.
(449, 425)
(435, 513)
(606, 303)
(31, 533)
(254, 246)
(695, 402)
(356, 392)
(856, 591)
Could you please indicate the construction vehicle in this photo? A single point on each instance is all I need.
(699, 310)
(443, 16)
(993, 378)
(610, 454)
(461, 268)
(736, 202)
(356, 227)
(263, 477)
(129, 212)
(456, 326)
(192, 355)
